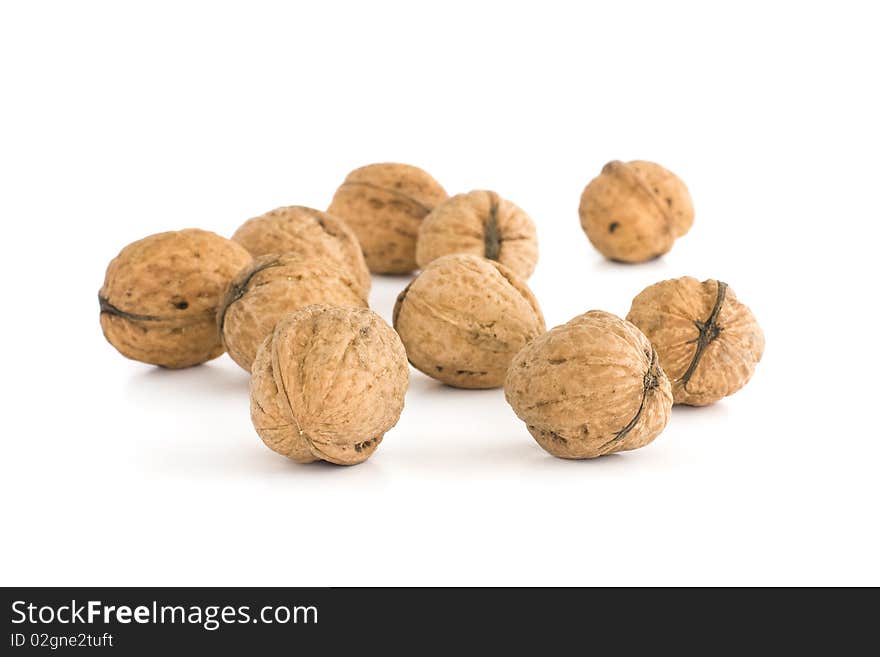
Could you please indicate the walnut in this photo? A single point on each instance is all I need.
(384, 205)
(484, 224)
(709, 343)
(590, 387)
(160, 296)
(327, 384)
(274, 286)
(297, 229)
(634, 211)
(463, 319)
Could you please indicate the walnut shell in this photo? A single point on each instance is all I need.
(275, 286)
(327, 384)
(308, 232)
(590, 387)
(484, 224)
(160, 296)
(384, 205)
(634, 211)
(463, 319)
(709, 343)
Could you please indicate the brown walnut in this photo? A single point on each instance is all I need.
(275, 286)
(384, 205)
(590, 387)
(634, 211)
(709, 343)
(307, 232)
(463, 319)
(160, 296)
(327, 384)
(480, 223)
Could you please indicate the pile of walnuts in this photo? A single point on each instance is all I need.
(287, 298)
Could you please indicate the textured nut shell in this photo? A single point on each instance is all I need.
(384, 205)
(327, 384)
(709, 343)
(463, 319)
(307, 232)
(480, 223)
(671, 190)
(275, 286)
(590, 387)
(160, 296)
(634, 211)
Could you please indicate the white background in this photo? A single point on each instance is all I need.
(125, 119)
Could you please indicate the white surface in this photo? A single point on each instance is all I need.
(118, 122)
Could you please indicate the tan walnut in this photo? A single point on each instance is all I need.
(307, 232)
(463, 319)
(275, 286)
(590, 387)
(327, 384)
(480, 223)
(384, 205)
(160, 296)
(634, 211)
(709, 342)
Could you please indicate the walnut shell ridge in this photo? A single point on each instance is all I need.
(327, 384)
(480, 223)
(307, 232)
(634, 211)
(709, 342)
(275, 286)
(464, 318)
(160, 296)
(590, 387)
(384, 205)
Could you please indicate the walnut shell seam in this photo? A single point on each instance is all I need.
(635, 181)
(709, 330)
(650, 383)
(396, 192)
(492, 234)
(282, 386)
(398, 304)
(238, 289)
(108, 308)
